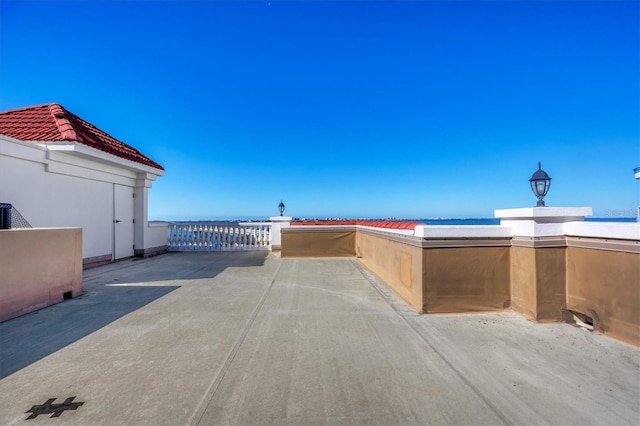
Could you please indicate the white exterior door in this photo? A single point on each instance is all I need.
(122, 221)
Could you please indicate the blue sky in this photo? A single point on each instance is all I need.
(407, 109)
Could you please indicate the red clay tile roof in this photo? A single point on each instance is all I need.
(51, 122)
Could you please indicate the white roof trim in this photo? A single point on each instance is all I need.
(101, 156)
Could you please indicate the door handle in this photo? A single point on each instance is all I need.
(117, 221)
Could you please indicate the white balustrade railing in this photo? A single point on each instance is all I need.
(215, 237)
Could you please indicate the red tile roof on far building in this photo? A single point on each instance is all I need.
(51, 123)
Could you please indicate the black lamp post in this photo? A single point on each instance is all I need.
(281, 207)
(540, 183)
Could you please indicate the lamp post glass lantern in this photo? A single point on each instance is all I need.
(281, 207)
(540, 184)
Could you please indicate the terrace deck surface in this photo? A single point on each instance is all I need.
(250, 338)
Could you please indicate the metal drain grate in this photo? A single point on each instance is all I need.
(55, 410)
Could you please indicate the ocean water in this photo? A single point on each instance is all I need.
(610, 219)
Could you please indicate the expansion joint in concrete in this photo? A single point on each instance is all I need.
(196, 418)
(389, 298)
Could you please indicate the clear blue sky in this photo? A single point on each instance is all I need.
(346, 109)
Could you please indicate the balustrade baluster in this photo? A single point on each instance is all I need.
(211, 237)
(183, 237)
(176, 231)
(214, 237)
(205, 235)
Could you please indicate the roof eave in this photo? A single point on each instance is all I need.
(77, 148)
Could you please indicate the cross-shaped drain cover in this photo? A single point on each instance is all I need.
(54, 409)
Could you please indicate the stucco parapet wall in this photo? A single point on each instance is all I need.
(489, 236)
(40, 267)
(400, 235)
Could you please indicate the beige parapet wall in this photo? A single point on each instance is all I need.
(397, 260)
(38, 267)
(334, 241)
(605, 285)
(466, 279)
(544, 279)
(538, 282)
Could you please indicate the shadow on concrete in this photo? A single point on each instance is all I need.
(110, 292)
(174, 266)
(31, 337)
(210, 264)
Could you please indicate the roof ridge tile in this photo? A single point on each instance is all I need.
(67, 131)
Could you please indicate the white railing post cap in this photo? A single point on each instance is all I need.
(281, 218)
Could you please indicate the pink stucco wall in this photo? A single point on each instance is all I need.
(37, 266)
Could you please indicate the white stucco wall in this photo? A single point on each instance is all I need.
(53, 188)
(157, 234)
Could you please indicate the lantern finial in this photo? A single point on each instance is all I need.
(540, 184)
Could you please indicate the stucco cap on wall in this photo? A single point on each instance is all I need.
(281, 218)
(623, 231)
(463, 231)
(533, 213)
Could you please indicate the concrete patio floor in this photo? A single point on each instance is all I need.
(250, 338)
